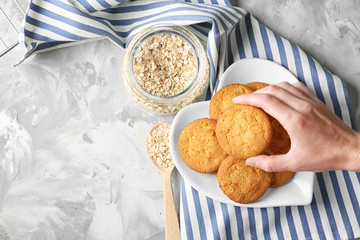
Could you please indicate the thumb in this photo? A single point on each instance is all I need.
(272, 163)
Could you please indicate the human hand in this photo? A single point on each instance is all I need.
(320, 141)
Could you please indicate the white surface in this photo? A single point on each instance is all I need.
(72, 142)
(298, 191)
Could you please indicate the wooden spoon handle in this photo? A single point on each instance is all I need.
(172, 230)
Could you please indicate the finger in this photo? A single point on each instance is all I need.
(293, 89)
(293, 98)
(270, 104)
(272, 163)
(302, 87)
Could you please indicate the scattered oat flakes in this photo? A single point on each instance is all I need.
(165, 65)
(157, 143)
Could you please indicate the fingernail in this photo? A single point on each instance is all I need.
(251, 162)
(236, 98)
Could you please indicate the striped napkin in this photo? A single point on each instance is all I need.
(231, 34)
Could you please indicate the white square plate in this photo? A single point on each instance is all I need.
(298, 191)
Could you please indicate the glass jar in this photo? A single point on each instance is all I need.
(180, 59)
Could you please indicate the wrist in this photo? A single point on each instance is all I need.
(353, 153)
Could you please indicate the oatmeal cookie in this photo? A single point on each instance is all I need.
(280, 143)
(244, 131)
(257, 85)
(199, 148)
(280, 178)
(223, 98)
(240, 182)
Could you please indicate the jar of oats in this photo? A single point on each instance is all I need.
(165, 68)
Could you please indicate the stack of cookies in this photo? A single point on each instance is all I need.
(221, 144)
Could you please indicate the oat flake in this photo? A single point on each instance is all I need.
(158, 146)
(165, 65)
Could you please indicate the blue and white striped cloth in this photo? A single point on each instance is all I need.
(231, 34)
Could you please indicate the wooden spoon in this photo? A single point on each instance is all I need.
(159, 153)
